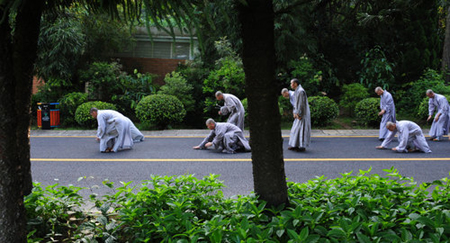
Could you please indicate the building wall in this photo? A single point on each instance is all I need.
(158, 66)
(36, 83)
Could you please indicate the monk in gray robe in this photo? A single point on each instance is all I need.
(300, 136)
(232, 106)
(115, 131)
(410, 137)
(225, 137)
(387, 112)
(289, 94)
(440, 124)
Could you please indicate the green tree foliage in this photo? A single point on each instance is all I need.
(176, 85)
(84, 118)
(310, 78)
(160, 110)
(323, 110)
(376, 70)
(68, 105)
(103, 80)
(228, 77)
(367, 112)
(352, 94)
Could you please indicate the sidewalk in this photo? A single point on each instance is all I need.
(203, 133)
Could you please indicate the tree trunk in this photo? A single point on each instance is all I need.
(257, 21)
(17, 56)
(446, 50)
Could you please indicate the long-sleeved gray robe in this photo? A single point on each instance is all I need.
(300, 136)
(234, 107)
(439, 128)
(292, 97)
(116, 131)
(228, 137)
(387, 104)
(409, 133)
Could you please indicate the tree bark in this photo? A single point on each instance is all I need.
(446, 50)
(257, 31)
(17, 56)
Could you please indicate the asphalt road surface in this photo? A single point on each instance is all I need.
(65, 159)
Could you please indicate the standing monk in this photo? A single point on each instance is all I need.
(232, 106)
(387, 107)
(440, 125)
(301, 128)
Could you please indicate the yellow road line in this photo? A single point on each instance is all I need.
(236, 160)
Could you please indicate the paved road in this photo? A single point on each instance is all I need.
(64, 159)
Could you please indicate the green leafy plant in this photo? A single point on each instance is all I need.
(68, 105)
(352, 94)
(365, 207)
(176, 85)
(85, 119)
(323, 110)
(376, 69)
(103, 80)
(310, 78)
(160, 110)
(367, 112)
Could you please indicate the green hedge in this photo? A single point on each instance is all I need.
(323, 110)
(85, 119)
(352, 208)
(367, 112)
(68, 105)
(160, 110)
(353, 93)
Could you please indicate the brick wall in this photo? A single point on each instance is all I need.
(158, 66)
(36, 83)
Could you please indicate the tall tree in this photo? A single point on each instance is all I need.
(257, 31)
(17, 55)
(19, 31)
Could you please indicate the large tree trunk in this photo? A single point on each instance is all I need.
(446, 50)
(257, 20)
(17, 55)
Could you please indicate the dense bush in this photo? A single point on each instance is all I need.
(85, 119)
(323, 110)
(352, 208)
(176, 85)
(133, 87)
(352, 94)
(410, 99)
(160, 110)
(310, 78)
(367, 112)
(68, 105)
(103, 80)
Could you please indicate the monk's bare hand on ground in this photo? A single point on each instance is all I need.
(380, 147)
(196, 147)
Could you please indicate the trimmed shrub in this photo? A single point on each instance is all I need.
(85, 119)
(367, 112)
(68, 105)
(160, 110)
(353, 93)
(176, 85)
(323, 110)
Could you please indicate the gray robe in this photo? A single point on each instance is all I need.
(116, 131)
(439, 128)
(300, 136)
(234, 107)
(292, 97)
(227, 137)
(409, 133)
(387, 104)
